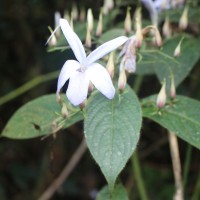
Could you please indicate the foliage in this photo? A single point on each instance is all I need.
(112, 128)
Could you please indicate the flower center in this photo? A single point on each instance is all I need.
(81, 69)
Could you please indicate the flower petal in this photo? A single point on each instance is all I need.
(73, 41)
(151, 7)
(105, 48)
(77, 88)
(69, 69)
(100, 77)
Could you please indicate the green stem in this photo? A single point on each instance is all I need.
(138, 177)
(137, 83)
(186, 165)
(196, 194)
(27, 86)
(134, 159)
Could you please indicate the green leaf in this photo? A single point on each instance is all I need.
(112, 130)
(40, 117)
(111, 34)
(119, 193)
(181, 116)
(163, 62)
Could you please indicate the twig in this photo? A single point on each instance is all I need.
(65, 172)
(173, 143)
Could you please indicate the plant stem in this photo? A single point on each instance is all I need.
(137, 83)
(138, 176)
(27, 86)
(196, 194)
(187, 164)
(173, 143)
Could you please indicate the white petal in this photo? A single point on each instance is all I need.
(69, 69)
(73, 41)
(151, 7)
(100, 77)
(105, 48)
(78, 88)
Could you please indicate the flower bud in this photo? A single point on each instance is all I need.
(88, 40)
(161, 98)
(72, 23)
(82, 14)
(177, 50)
(66, 15)
(167, 31)
(99, 29)
(58, 98)
(128, 21)
(183, 22)
(107, 6)
(57, 17)
(64, 111)
(122, 79)
(172, 88)
(110, 65)
(90, 19)
(74, 12)
(52, 41)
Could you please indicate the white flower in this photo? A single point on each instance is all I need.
(81, 72)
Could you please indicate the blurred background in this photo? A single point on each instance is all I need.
(27, 167)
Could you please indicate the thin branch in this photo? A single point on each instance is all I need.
(48, 193)
(173, 143)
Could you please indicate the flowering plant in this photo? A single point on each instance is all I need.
(113, 111)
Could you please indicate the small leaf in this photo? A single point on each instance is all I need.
(40, 117)
(112, 130)
(181, 117)
(119, 193)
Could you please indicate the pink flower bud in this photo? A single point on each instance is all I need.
(110, 65)
(183, 22)
(167, 30)
(161, 98)
(122, 80)
(177, 50)
(128, 21)
(99, 29)
(172, 88)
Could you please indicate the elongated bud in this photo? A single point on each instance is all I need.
(66, 15)
(122, 79)
(183, 22)
(110, 65)
(82, 14)
(99, 29)
(107, 6)
(177, 50)
(88, 41)
(90, 19)
(161, 98)
(53, 40)
(72, 23)
(167, 30)
(128, 21)
(138, 27)
(58, 98)
(91, 87)
(172, 88)
(57, 17)
(74, 12)
(64, 111)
